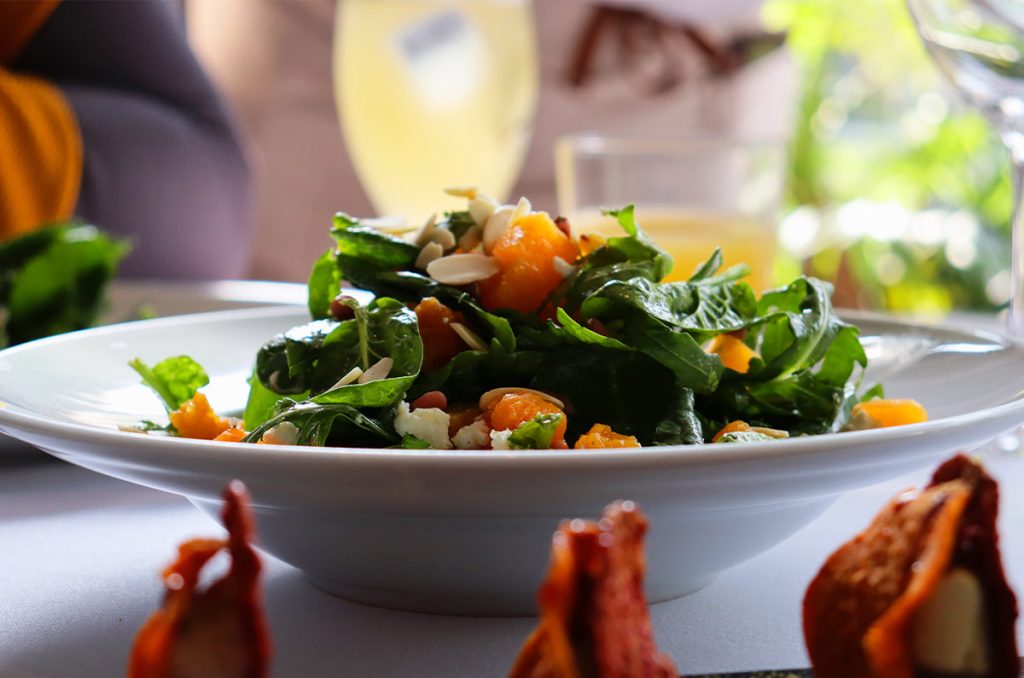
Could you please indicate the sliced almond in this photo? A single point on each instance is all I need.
(563, 267)
(423, 236)
(496, 393)
(349, 377)
(468, 192)
(471, 338)
(443, 237)
(430, 251)
(481, 208)
(471, 238)
(496, 226)
(462, 269)
(523, 207)
(388, 224)
(377, 371)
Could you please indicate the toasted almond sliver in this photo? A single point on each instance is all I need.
(471, 238)
(379, 370)
(391, 224)
(481, 208)
(471, 338)
(443, 237)
(462, 269)
(430, 251)
(423, 236)
(523, 207)
(468, 192)
(496, 393)
(349, 377)
(563, 267)
(496, 226)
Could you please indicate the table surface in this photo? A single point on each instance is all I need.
(80, 555)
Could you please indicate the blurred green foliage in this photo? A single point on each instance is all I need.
(878, 127)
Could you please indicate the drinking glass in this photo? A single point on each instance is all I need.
(432, 94)
(979, 47)
(690, 196)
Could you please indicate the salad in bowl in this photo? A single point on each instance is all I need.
(497, 327)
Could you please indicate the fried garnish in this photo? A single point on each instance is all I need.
(217, 631)
(859, 611)
(594, 621)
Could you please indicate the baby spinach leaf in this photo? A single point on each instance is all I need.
(471, 373)
(261, 403)
(680, 424)
(570, 329)
(174, 380)
(324, 284)
(286, 363)
(535, 434)
(370, 246)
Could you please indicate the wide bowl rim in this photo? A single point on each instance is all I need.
(153, 447)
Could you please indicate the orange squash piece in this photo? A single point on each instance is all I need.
(440, 342)
(525, 254)
(885, 413)
(513, 409)
(196, 419)
(734, 353)
(235, 434)
(601, 436)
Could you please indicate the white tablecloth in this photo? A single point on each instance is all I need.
(80, 555)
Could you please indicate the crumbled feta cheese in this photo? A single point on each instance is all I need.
(473, 437)
(499, 440)
(285, 433)
(426, 423)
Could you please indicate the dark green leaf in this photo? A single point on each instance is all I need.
(680, 425)
(411, 442)
(54, 279)
(371, 246)
(324, 284)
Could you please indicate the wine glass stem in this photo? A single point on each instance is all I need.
(1016, 315)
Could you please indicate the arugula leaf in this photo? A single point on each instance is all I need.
(53, 280)
(638, 246)
(317, 422)
(692, 366)
(174, 380)
(535, 434)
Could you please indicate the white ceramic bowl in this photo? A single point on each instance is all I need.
(469, 532)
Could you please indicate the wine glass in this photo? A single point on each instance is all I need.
(434, 94)
(979, 47)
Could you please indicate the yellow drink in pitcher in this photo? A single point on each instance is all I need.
(690, 236)
(432, 94)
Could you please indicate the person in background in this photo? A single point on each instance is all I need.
(662, 68)
(105, 115)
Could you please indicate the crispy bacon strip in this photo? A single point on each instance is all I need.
(859, 610)
(217, 631)
(594, 620)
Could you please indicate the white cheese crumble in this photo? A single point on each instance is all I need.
(285, 433)
(475, 436)
(426, 423)
(499, 440)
